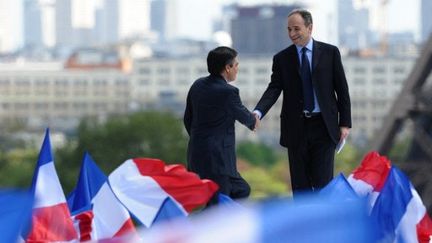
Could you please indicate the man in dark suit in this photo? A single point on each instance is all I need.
(316, 110)
(212, 107)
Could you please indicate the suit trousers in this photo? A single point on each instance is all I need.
(311, 162)
(233, 186)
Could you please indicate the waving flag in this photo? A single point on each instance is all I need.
(393, 201)
(369, 178)
(143, 185)
(50, 203)
(15, 214)
(338, 189)
(306, 220)
(399, 211)
(97, 212)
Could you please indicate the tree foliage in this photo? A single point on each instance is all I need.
(110, 143)
(257, 154)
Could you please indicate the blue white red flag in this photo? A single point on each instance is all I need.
(393, 201)
(143, 186)
(96, 211)
(305, 220)
(49, 202)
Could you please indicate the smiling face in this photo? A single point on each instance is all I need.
(298, 32)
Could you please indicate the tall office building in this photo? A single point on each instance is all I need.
(353, 26)
(260, 29)
(32, 23)
(39, 23)
(10, 20)
(426, 19)
(75, 22)
(64, 30)
(107, 29)
(164, 19)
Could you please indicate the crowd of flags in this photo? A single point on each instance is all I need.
(145, 200)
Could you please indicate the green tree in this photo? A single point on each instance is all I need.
(17, 167)
(257, 154)
(110, 143)
(347, 160)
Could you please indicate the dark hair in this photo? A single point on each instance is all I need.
(218, 58)
(306, 15)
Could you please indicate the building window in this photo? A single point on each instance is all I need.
(144, 70)
(359, 70)
(378, 70)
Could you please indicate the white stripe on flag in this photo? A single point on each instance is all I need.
(109, 214)
(141, 195)
(48, 191)
(406, 230)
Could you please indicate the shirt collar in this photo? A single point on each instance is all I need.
(309, 46)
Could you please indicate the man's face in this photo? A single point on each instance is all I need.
(298, 32)
(233, 70)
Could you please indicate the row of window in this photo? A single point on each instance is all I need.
(62, 82)
(61, 106)
(198, 71)
(377, 70)
(63, 92)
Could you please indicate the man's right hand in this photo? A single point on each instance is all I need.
(257, 121)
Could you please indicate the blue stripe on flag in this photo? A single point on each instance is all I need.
(391, 204)
(90, 181)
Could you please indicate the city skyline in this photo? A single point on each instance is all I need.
(205, 12)
(198, 23)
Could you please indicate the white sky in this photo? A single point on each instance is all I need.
(195, 16)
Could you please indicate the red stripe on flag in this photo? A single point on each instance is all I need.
(52, 224)
(374, 170)
(85, 220)
(128, 227)
(185, 187)
(424, 229)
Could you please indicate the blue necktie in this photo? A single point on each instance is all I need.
(307, 82)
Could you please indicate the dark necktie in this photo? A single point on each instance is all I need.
(307, 82)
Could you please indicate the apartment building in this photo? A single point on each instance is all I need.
(42, 95)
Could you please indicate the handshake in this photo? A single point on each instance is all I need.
(257, 120)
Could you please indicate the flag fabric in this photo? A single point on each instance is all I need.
(167, 211)
(393, 201)
(144, 184)
(369, 178)
(96, 211)
(399, 212)
(304, 220)
(49, 202)
(15, 214)
(338, 189)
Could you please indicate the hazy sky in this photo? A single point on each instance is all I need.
(195, 16)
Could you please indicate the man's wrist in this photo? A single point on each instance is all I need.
(258, 113)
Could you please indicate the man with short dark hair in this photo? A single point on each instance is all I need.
(316, 110)
(212, 107)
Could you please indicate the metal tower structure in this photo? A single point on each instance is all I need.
(414, 106)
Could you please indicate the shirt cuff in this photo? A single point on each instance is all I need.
(258, 113)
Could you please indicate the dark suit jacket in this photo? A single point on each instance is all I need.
(330, 85)
(212, 108)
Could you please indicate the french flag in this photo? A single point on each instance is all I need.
(51, 219)
(97, 213)
(313, 218)
(394, 203)
(369, 178)
(151, 190)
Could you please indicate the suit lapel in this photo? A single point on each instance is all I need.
(292, 55)
(316, 54)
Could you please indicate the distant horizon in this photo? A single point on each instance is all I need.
(205, 12)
